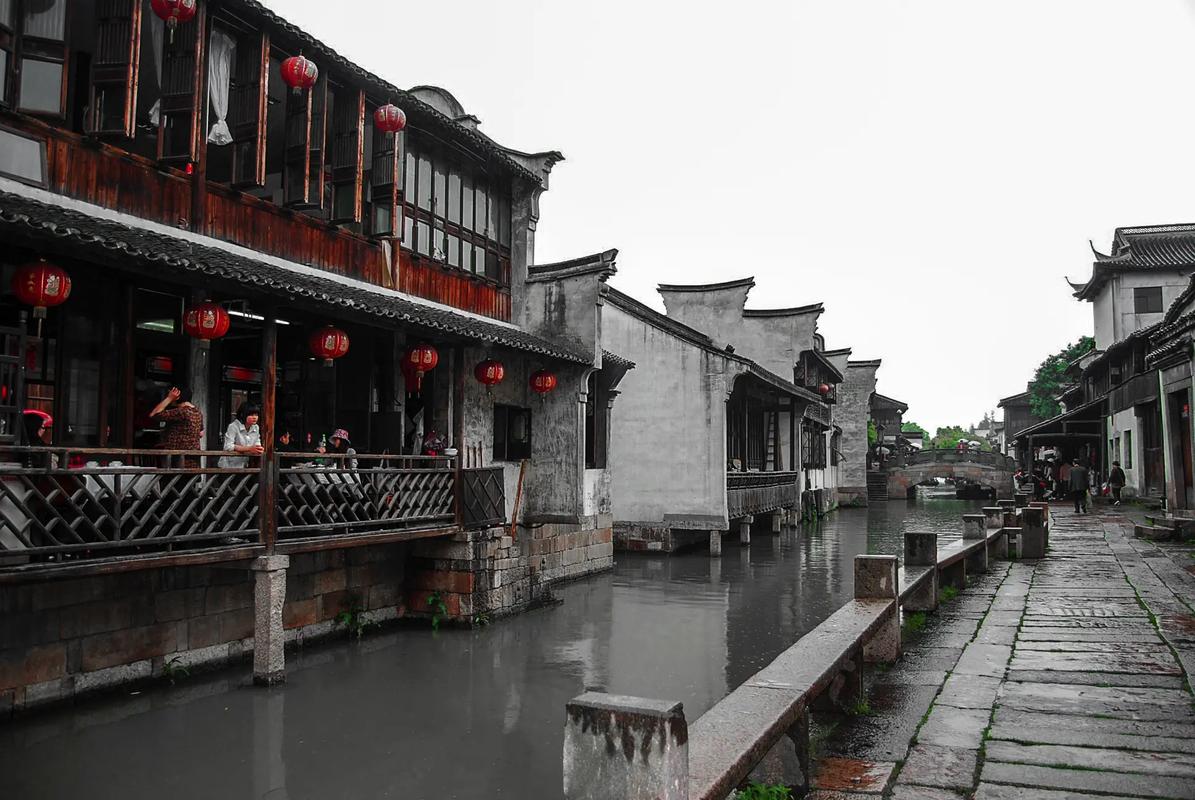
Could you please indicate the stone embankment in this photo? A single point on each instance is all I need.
(1056, 679)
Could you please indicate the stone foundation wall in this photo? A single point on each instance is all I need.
(638, 538)
(319, 586)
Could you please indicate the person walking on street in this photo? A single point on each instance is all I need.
(1116, 482)
(1080, 482)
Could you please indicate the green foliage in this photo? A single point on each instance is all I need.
(353, 619)
(915, 622)
(948, 438)
(762, 791)
(913, 427)
(861, 708)
(435, 602)
(1050, 377)
(175, 669)
(873, 435)
(481, 620)
(947, 594)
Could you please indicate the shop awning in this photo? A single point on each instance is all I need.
(49, 222)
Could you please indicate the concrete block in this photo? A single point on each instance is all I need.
(974, 526)
(875, 578)
(921, 549)
(625, 748)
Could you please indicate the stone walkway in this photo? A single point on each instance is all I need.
(1052, 680)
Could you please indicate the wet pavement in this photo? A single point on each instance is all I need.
(1052, 680)
(463, 713)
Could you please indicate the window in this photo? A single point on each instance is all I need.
(22, 158)
(512, 433)
(1147, 300)
(835, 445)
(1127, 461)
(597, 421)
(460, 214)
(33, 62)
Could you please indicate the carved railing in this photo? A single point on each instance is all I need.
(483, 497)
(955, 456)
(61, 504)
(750, 493)
(321, 495)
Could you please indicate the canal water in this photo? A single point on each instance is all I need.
(463, 713)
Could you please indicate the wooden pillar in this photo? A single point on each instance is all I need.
(128, 379)
(458, 424)
(198, 220)
(268, 486)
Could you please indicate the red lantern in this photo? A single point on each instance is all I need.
(172, 12)
(824, 389)
(41, 285)
(389, 118)
(206, 321)
(543, 382)
(419, 360)
(299, 73)
(328, 343)
(489, 373)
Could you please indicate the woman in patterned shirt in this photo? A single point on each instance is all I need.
(184, 423)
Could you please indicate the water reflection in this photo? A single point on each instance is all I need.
(463, 714)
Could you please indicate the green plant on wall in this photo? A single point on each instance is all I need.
(763, 791)
(435, 603)
(353, 619)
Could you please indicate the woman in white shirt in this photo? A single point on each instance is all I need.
(242, 437)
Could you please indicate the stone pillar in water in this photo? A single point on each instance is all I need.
(745, 530)
(715, 543)
(625, 748)
(269, 595)
(777, 521)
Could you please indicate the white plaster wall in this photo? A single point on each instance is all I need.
(667, 457)
(596, 494)
(1117, 424)
(1113, 308)
(851, 413)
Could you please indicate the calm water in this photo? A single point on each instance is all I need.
(462, 714)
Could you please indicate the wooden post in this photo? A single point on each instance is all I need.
(268, 486)
(128, 380)
(458, 426)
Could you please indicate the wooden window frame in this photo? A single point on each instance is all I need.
(173, 105)
(502, 449)
(351, 173)
(114, 79)
(15, 42)
(385, 176)
(250, 130)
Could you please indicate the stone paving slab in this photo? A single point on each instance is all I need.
(852, 775)
(942, 767)
(992, 791)
(1096, 678)
(954, 727)
(1131, 784)
(1128, 703)
(1024, 726)
(1093, 758)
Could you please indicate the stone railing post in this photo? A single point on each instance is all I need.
(625, 748)
(993, 517)
(921, 550)
(1033, 533)
(975, 527)
(875, 579)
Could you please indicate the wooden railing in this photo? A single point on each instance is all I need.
(770, 712)
(322, 495)
(63, 504)
(749, 493)
(78, 505)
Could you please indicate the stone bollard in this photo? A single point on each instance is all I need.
(269, 595)
(625, 748)
(1033, 533)
(993, 517)
(745, 530)
(1011, 520)
(975, 527)
(715, 543)
(777, 521)
(1012, 541)
(921, 550)
(1007, 505)
(875, 579)
(998, 547)
(1021, 499)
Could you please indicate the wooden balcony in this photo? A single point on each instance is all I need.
(749, 493)
(64, 509)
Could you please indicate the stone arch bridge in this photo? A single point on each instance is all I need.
(993, 470)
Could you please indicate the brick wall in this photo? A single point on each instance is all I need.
(321, 585)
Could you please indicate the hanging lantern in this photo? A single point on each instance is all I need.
(489, 373)
(205, 322)
(824, 389)
(299, 73)
(172, 12)
(42, 285)
(416, 362)
(389, 118)
(328, 343)
(543, 382)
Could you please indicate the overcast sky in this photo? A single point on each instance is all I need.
(931, 170)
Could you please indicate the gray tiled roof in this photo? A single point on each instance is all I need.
(1166, 247)
(45, 225)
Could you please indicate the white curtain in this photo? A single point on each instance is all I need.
(219, 71)
(157, 32)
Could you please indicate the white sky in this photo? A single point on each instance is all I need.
(930, 169)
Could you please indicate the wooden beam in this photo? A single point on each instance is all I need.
(268, 486)
(109, 566)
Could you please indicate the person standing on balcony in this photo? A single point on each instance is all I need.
(242, 437)
(182, 423)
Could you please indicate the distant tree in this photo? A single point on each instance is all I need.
(1050, 377)
(947, 438)
(872, 434)
(913, 427)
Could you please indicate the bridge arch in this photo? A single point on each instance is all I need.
(993, 470)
